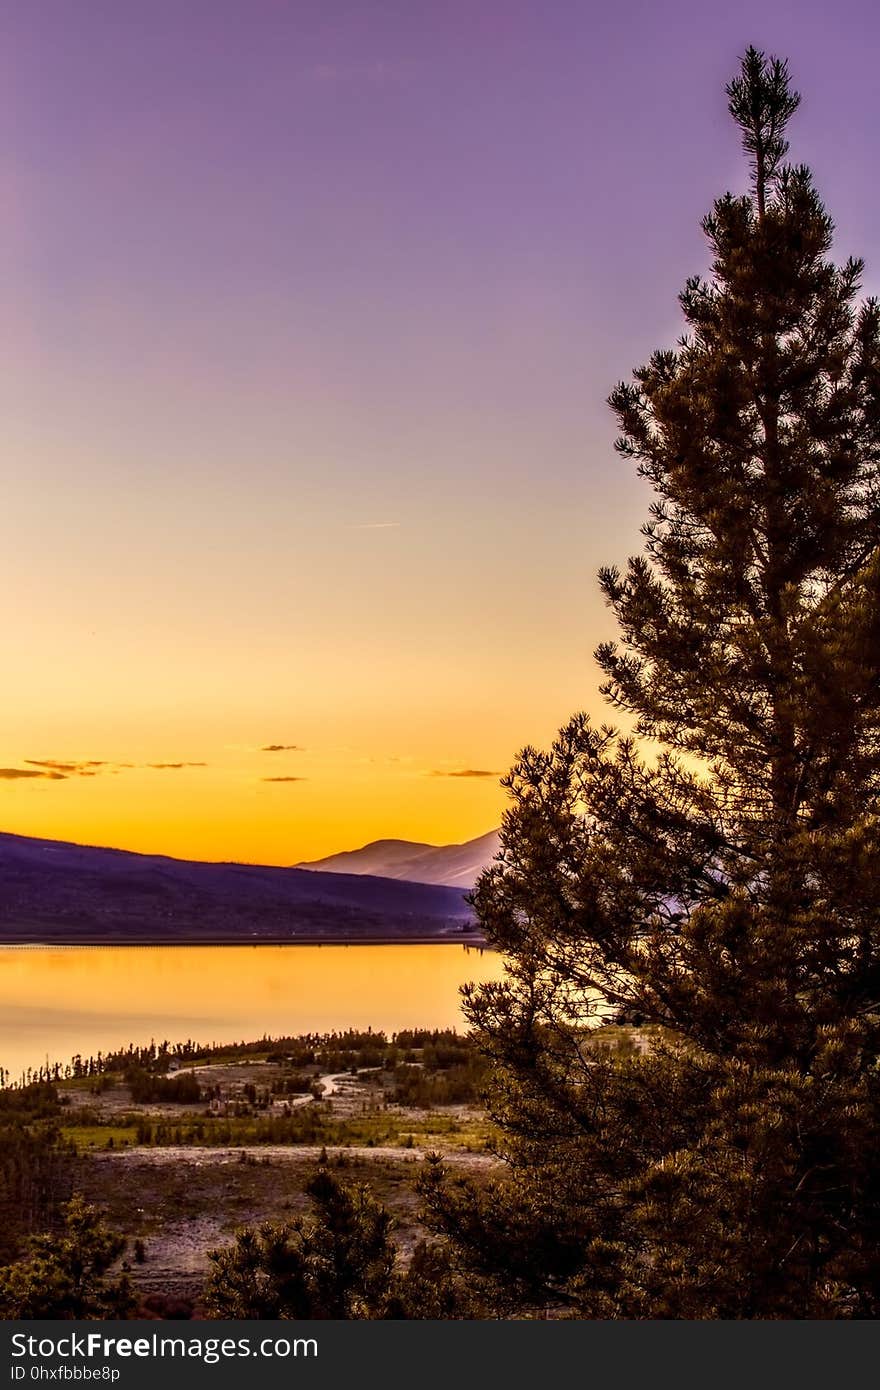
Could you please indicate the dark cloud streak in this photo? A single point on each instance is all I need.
(59, 769)
(85, 768)
(14, 774)
(466, 772)
(173, 767)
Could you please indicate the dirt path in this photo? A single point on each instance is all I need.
(332, 1083)
(205, 1155)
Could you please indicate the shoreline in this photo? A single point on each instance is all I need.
(211, 942)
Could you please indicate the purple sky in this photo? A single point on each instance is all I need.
(309, 313)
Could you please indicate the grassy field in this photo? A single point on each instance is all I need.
(99, 1136)
(470, 1132)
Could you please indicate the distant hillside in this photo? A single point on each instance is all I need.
(51, 891)
(456, 866)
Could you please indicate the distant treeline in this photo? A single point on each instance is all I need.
(309, 1124)
(335, 1051)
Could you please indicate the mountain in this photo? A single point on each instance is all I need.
(51, 891)
(456, 866)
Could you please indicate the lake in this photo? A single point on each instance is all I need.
(56, 1001)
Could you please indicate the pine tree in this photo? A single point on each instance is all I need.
(67, 1274)
(336, 1264)
(715, 874)
(340, 1262)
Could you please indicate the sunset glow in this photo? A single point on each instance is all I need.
(309, 314)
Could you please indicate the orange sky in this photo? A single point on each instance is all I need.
(162, 628)
(382, 721)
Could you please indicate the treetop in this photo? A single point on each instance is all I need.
(762, 102)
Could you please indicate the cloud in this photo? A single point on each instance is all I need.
(86, 768)
(281, 748)
(59, 769)
(284, 779)
(12, 774)
(465, 772)
(168, 767)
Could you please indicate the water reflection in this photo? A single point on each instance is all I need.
(57, 1001)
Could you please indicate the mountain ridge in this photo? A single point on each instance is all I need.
(452, 866)
(55, 891)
